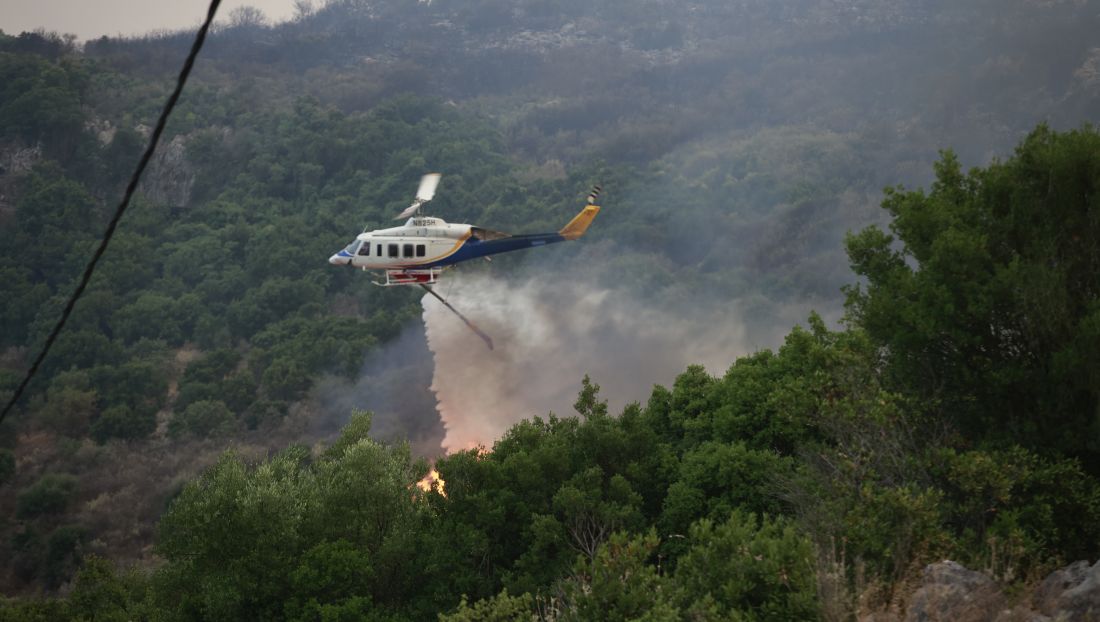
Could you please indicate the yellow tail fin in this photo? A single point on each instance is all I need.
(580, 222)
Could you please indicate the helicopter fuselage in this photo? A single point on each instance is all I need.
(426, 242)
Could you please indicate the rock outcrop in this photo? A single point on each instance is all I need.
(170, 176)
(15, 160)
(1071, 593)
(950, 592)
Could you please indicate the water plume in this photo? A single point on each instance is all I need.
(549, 333)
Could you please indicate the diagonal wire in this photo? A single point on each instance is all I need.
(130, 188)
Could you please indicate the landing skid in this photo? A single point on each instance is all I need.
(477, 331)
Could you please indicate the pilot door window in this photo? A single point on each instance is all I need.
(364, 250)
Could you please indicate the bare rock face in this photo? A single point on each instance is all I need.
(102, 129)
(17, 159)
(949, 591)
(170, 176)
(1021, 614)
(1071, 593)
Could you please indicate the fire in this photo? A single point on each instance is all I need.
(432, 481)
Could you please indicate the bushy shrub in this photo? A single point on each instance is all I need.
(124, 422)
(7, 465)
(63, 553)
(285, 379)
(894, 528)
(68, 410)
(1013, 509)
(618, 584)
(747, 569)
(49, 495)
(202, 419)
(500, 608)
(213, 367)
(263, 411)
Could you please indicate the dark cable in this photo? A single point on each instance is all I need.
(145, 157)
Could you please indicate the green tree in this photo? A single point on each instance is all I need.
(618, 584)
(334, 537)
(1013, 510)
(99, 594)
(987, 300)
(327, 583)
(232, 538)
(124, 422)
(203, 419)
(63, 554)
(68, 409)
(747, 569)
(151, 316)
(500, 608)
(49, 495)
(7, 465)
(286, 380)
(716, 479)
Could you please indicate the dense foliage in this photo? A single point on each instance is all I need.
(990, 309)
(954, 416)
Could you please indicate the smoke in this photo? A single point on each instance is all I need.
(440, 388)
(393, 383)
(550, 332)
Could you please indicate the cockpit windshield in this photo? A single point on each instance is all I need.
(354, 246)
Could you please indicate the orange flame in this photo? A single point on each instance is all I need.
(432, 481)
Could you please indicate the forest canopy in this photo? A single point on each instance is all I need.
(175, 457)
(693, 503)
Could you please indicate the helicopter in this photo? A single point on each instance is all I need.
(418, 252)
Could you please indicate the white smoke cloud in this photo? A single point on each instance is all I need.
(549, 333)
(452, 392)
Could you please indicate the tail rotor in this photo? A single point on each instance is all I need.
(595, 194)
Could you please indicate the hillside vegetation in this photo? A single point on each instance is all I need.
(172, 461)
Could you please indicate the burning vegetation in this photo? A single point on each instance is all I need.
(432, 482)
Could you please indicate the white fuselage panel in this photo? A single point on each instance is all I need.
(419, 242)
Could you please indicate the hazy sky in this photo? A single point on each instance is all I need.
(88, 19)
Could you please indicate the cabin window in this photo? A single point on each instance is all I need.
(408, 250)
(364, 251)
(420, 250)
(378, 250)
(393, 250)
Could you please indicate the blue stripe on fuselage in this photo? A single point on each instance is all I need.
(473, 248)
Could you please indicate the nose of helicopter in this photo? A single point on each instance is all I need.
(340, 259)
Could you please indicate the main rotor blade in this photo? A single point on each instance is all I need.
(428, 184)
(409, 211)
